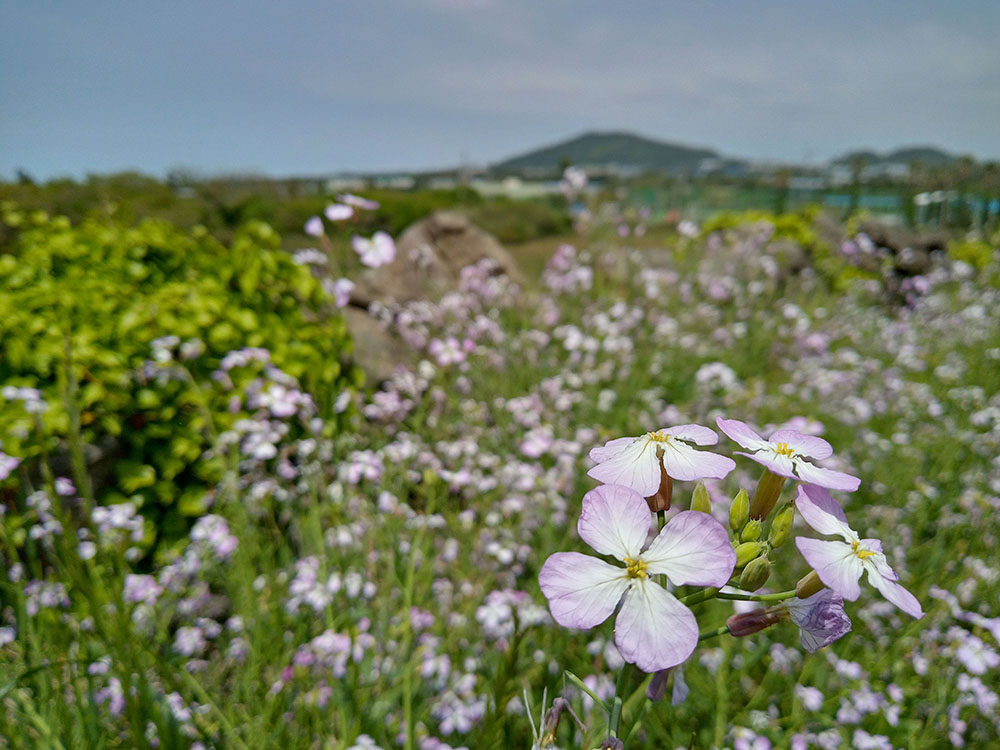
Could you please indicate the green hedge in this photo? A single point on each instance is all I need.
(79, 308)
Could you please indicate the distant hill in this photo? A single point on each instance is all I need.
(610, 149)
(928, 155)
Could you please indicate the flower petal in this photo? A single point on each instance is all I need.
(683, 462)
(582, 590)
(805, 445)
(693, 433)
(821, 619)
(610, 449)
(835, 563)
(615, 521)
(896, 594)
(741, 433)
(822, 512)
(692, 549)
(834, 480)
(636, 466)
(781, 465)
(654, 631)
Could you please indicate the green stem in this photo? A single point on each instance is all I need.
(706, 635)
(779, 597)
(614, 717)
(580, 684)
(701, 596)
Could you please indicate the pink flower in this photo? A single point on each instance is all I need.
(653, 630)
(342, 289)
(314, 227)
(377, 251)
(358, 202)
(821, 619)
(635, 461)
(840, 564)
(785, 454)
(338, 212)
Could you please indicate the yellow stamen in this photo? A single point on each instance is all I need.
(783, 450)
(659, 436)
(636, 568)
(863, 554)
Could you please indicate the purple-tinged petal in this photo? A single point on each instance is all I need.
(805, 445)
(338, 212)
(582, 590)
(821, 619)
(653, 630)
(683, 462)
(834, 480)
(692, 549)
(896, 594)
(615, 521)
(610, 449)
(822, 512)
(693, 433)
(741, 433)
(835, 563)
(780, 465)
(635, 466)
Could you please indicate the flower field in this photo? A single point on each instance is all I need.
(585, 517)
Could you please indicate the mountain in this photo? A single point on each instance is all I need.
(617, 149)
(929, 155)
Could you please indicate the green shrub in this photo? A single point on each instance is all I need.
(79, 308)
(977, 253)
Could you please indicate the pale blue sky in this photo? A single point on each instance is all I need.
(297, 87)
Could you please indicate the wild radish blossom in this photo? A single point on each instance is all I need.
(653, 630)
(635, 462)
(821, 619)
(840, 564)
(338, 212)
(785, 454)
(377, 251)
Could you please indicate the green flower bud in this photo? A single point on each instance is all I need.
(747, 552)
(739, 511)
(755, 574)
(751, 532)
(808, 585)
(781, 527)
(700, 500)
(768, 491)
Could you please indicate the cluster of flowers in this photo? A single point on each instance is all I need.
(654, 629)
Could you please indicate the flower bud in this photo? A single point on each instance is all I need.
(748, 623)
(612, 743)
(739, 511)
(768, 491)
(660, 500)
(755, 574)
(808, 585)
(751, 532)
(657, 687)
(747, 552)
(781, 527)
(700, 500)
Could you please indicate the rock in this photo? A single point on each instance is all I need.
(377, 348)
(911, 248)
(790, 256)
(430, 255)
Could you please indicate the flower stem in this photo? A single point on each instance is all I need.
(700, 596)
(706, 635)
(614, 718)
(779, 597)
(580, 684)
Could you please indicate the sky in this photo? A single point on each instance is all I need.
(291, 87)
